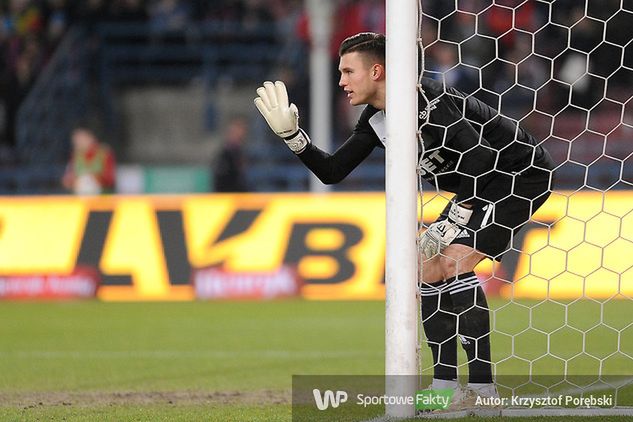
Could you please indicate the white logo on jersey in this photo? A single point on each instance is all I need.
(462, 234)
(431, 162)
(427, 110)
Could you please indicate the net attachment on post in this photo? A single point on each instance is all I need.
(557, 229)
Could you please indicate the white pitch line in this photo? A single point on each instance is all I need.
(170, 354)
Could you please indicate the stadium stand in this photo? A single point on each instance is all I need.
(63, 59)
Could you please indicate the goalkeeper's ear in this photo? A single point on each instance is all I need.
(377, 72)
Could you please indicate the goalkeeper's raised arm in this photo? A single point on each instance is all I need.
(363, 79)
(283, 119)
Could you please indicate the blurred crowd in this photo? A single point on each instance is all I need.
(478, 46)
(31, 29)
(474, 47)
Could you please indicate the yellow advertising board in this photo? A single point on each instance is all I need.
(146, 247)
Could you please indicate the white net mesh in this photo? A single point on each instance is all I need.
(560, 299)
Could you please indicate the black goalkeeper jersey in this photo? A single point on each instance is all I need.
(469, 148)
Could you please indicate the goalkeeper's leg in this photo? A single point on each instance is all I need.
(440, 327)
(473, 316)
(455, 307)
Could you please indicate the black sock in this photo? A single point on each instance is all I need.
(440, 327)
(469, 303)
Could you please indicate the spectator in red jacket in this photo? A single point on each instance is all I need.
(91, 170)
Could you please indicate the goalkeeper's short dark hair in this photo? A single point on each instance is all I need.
(369, 43)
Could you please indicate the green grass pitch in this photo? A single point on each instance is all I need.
(233, 361)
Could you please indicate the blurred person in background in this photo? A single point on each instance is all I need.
(24, 68)
(24, 17)
(23, 56)
(57, 13)
(230, 165)
(169, 15)
(444, 60)
(91, 170)
(254, 13)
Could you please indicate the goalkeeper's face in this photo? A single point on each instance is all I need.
(360, 79)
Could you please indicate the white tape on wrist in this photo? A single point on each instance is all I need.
(298, 142)
(459, 214)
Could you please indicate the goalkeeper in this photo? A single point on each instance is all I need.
(498, 172)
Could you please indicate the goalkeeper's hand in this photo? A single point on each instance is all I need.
(441, 233)
(283, 118)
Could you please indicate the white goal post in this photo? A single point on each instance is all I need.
(401, 339)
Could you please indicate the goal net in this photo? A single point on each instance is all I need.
(560, 299)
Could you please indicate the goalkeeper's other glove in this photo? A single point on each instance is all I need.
(283, 118)
(441, 233)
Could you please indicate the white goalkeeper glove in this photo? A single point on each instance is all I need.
(441, 233)
(283, 118)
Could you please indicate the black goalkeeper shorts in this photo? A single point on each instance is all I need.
(493, 225)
